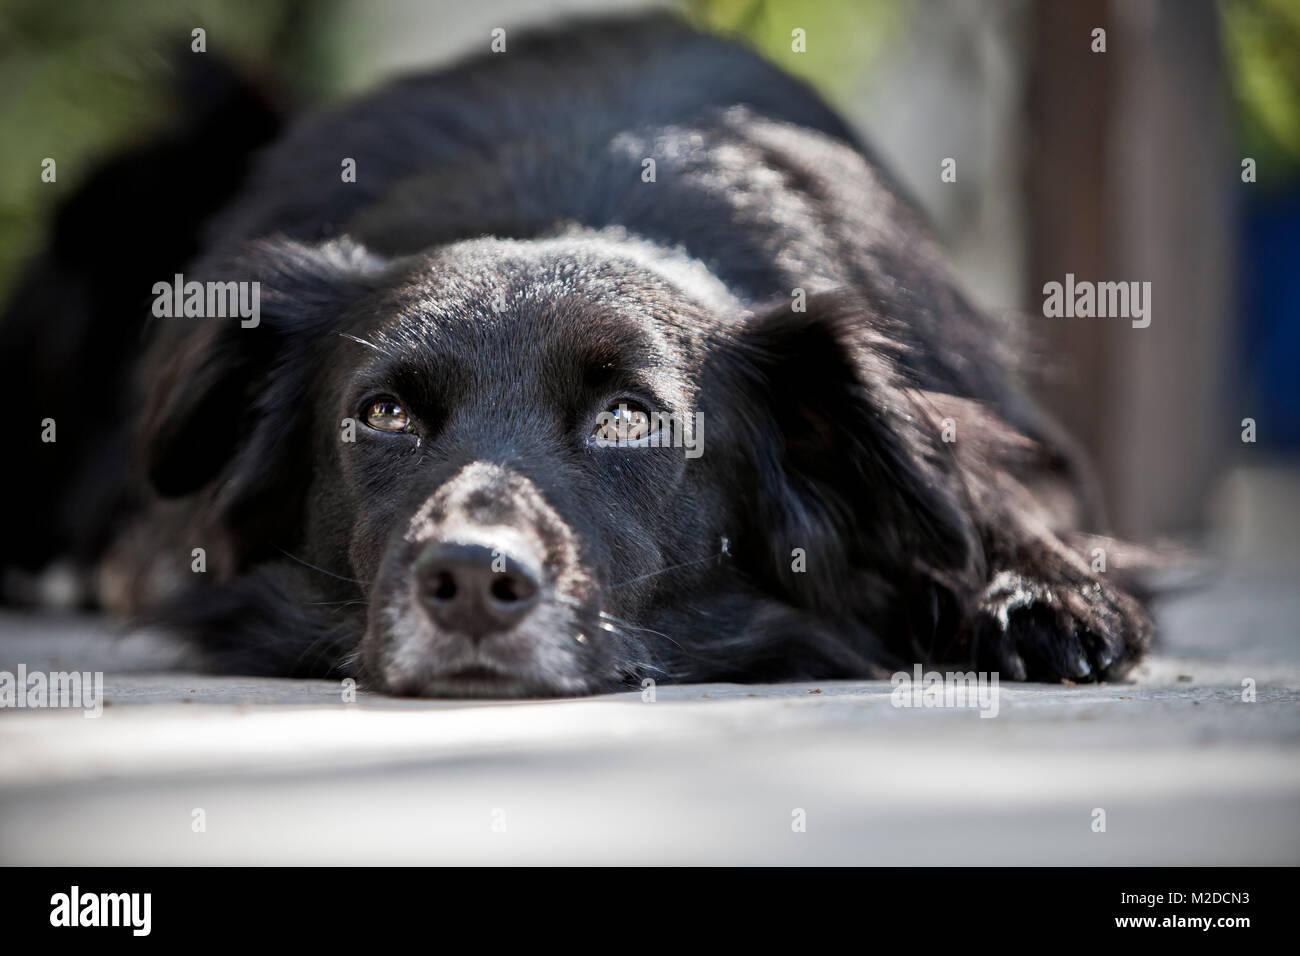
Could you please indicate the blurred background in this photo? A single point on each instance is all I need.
(1124, 165)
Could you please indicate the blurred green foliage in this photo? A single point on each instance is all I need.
(78, 77)
(840, 37)
(1262, 43)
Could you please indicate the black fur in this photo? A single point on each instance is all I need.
(502, 269)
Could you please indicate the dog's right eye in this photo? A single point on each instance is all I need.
(386, 415)
(628, 422)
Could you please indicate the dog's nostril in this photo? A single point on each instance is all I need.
(444, 586)
(462, 590)
(503, 589)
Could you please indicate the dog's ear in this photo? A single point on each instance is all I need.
(844, 463)
(225, 399)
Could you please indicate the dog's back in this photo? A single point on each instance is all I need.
(548, 100)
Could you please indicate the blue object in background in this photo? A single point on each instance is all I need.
(1270, 286)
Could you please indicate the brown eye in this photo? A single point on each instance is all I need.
(386, 415)
(625, 422)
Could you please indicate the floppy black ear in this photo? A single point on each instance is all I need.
(844, 463)
(216, 382)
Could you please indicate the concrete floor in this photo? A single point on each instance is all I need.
(284, 771)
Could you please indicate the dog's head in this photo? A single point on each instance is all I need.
(553, 466)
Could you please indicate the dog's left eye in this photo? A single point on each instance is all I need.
(386, 415)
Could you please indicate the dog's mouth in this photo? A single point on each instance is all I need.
(476, 681)
(478, 672)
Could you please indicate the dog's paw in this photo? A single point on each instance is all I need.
(1029, 629)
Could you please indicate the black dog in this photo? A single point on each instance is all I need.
(619, 359)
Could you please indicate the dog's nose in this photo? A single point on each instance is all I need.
(473, 590)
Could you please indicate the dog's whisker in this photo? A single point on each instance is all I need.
(722, 552)
(615, 625)
(316, 648)
(350, 663)
(361, 341)
(307, 564)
